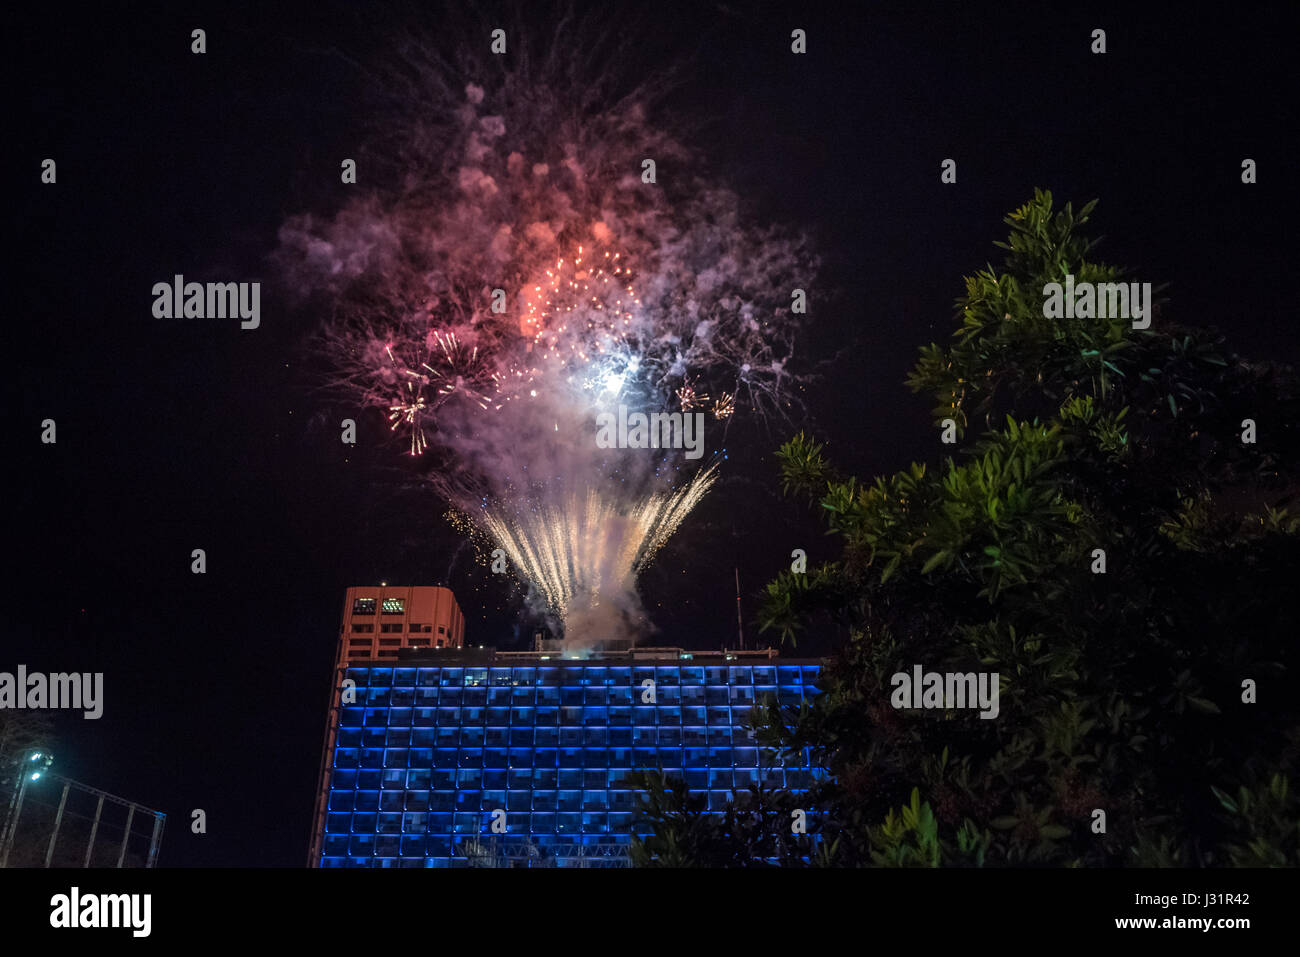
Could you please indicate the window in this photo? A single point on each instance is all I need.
(389, 629)
(363, 606)
(394, 606)
(362, 629)
(442, 630)
(390, 641)
(429, 751)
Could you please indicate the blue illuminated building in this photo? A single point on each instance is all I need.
(431, 746)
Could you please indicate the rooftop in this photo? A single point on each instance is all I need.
(487, 656)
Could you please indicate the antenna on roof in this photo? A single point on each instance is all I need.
(740, 628)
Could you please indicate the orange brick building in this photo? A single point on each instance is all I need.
(378, 620)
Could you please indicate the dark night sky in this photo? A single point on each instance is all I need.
(184, 434)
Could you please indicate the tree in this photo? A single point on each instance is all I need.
(1123, 690)
(754, 830)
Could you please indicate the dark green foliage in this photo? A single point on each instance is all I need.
(1120, 691)
(754, 832)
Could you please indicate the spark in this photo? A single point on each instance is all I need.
(409, 413)
(690, 398)
(590, 543)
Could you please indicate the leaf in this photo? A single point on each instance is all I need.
(1203, 705)
(935, 559)
(1004, 823)
(1054, 832)
(1226, 801)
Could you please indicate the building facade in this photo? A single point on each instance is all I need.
(452, 756)
(379, 621)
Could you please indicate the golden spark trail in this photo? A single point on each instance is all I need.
(589, 542)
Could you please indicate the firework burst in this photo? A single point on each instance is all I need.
(457, 369)
(522, 279)
(409, 413)
(691, 398)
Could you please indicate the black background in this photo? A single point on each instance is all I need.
(175, 435)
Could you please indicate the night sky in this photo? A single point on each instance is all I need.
(183, 434)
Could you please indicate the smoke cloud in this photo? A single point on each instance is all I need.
(518, 277)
